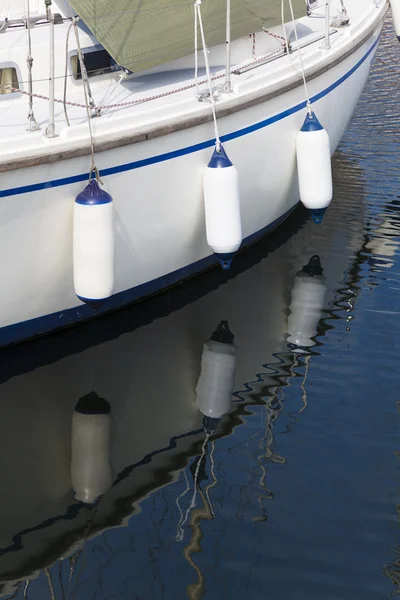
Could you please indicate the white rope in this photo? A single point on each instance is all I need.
(197, 5)
(298, 49)
(196, 50)
(343, 8)
(93, 168)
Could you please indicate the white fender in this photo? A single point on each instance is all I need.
(222, 207)
(93, 244)
(314, 166)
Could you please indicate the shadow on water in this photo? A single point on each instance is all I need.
(154, 455)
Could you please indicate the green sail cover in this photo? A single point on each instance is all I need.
(140, 34)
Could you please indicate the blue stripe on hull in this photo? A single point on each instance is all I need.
(189, 149)
(41, 325)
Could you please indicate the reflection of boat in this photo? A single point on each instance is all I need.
(149, 377)
(147, 130)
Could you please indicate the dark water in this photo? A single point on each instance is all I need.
(292, 494)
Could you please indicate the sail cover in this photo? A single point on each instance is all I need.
(140, 34)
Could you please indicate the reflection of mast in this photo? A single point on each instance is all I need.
(27, 583)
(74, 559)
(205, 513)
(197, 515)
(91, 436)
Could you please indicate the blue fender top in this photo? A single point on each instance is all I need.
(93, 195)
(311, 123)
(219, 160)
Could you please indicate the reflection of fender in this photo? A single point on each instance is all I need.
(218, 363)
(308, 296)
(91, 433)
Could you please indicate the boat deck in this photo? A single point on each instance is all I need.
(140, 103)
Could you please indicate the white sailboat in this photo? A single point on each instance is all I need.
(139, 99)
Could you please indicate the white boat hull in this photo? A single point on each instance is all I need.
(157, 190)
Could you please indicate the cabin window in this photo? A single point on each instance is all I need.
(97, 62)
(8, 80)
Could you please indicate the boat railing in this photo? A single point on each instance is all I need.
(7, 23)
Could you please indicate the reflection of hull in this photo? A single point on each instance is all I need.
(149, 378)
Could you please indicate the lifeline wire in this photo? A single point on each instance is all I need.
(298, 49)
(197, 5)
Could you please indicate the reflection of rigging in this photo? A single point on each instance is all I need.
(214, 399)
(292, 366)
(305, 312)
(214, 396)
